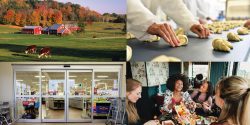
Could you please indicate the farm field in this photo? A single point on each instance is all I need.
(100, 42)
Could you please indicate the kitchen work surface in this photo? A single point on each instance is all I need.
(196, 50)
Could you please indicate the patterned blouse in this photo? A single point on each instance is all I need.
(168, 99)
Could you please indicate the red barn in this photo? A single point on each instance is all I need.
(56, 28)
(36, 30)
(64, 31)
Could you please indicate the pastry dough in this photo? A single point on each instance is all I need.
(154, 38)
(222, 45)
(164, 58)
(179, 31)
(130, 36)
(183, 40)
(217, 30)
(242, 31)
(181, 36)
(233, 37)
(129, 53)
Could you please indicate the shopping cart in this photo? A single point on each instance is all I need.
(5, 117)
(116, 112)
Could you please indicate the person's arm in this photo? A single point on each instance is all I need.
(167, 102)
(139, 18)
(189, 101)
(177, 10)
(202, 9)
(142, 22)
(194, 93)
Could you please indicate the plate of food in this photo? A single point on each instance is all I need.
(184, 116)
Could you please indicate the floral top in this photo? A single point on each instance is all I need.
(168, 99)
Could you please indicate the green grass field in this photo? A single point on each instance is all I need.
(107, 46)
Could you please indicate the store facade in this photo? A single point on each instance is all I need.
(65, 93)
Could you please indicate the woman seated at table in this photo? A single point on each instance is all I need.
(133, 93)
(233, 97)
(203, 98)
(176, 93)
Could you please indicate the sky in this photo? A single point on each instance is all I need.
(102, 6)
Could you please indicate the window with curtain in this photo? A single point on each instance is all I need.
(200, 68)
(243, 70)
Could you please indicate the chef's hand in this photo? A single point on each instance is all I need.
(202, 21)
(164, 31)
(200, 30)
(152, 122)
(247, 24)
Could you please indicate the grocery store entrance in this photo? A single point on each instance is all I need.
(59, 95)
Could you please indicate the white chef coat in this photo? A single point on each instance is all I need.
(197, 8)
(142, 13)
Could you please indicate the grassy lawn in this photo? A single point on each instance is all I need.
(107, 46)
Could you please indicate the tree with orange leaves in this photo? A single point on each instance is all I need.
(9, 17)
(35, 18)
(18, 18)
(58, 17)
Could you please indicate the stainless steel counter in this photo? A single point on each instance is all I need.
(196, 50)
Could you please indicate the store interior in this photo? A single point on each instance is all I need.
(153, 77)
(55, 93)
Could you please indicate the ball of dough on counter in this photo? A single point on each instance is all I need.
(222, 45)
(243, 31)
(164, 58)
(233, 37)
(183, 40)
(129, 52)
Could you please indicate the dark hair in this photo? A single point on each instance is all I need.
(209, 92)
(210, 89)
(172, 79)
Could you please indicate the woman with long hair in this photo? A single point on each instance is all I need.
(133, 93)
(233, 97)
(203, 98)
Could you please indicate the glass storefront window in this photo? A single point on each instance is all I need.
(53, 83)
(27, 83)
(80, 83)
(53, 108)
(28, 107)
(79, 108)
(106, 84)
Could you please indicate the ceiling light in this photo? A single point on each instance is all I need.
(39, 76)
(102, 76)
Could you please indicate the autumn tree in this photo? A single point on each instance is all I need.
(9, 17)
(58, 17)
(18, 18)
(23, 19)
(55, 5)
(20, 4)
(35, 18)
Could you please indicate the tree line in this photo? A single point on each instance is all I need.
(48, 12)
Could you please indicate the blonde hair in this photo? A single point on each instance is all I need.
(131, 110)
(234, 91)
